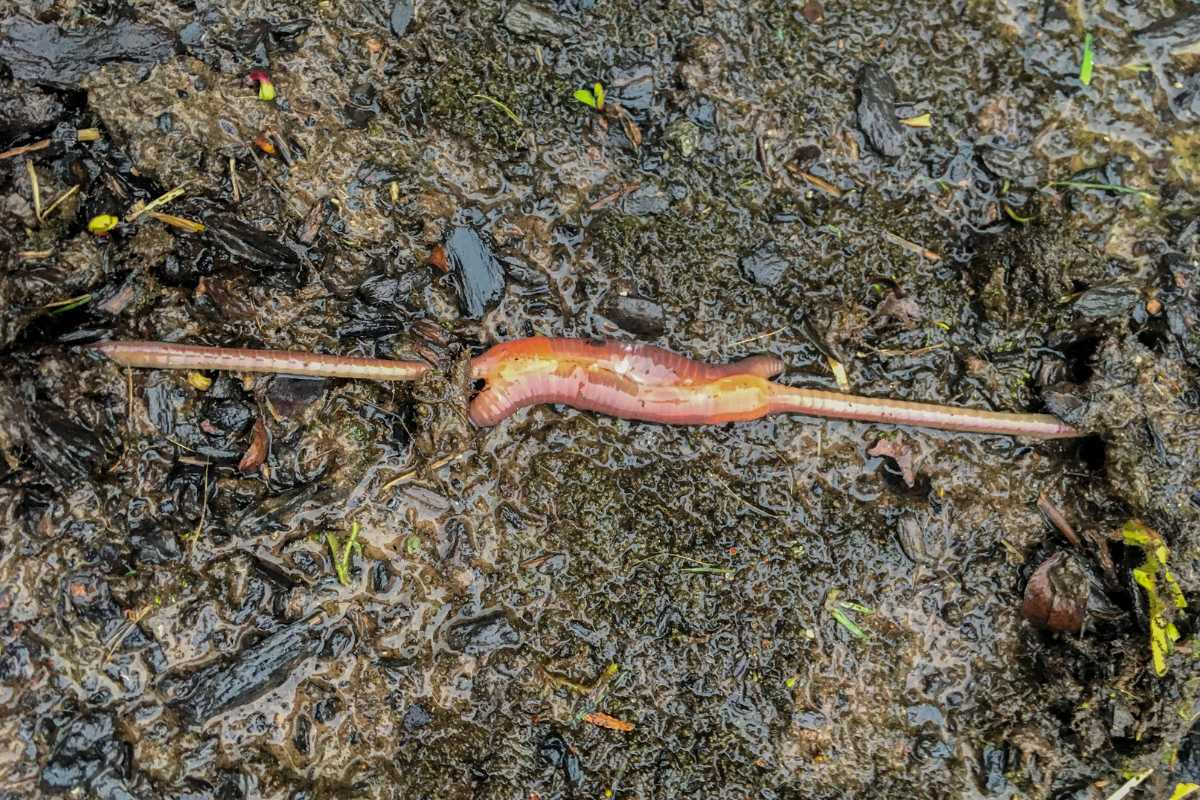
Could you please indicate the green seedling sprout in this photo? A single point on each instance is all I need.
(342, 552)
(593, 97)
(1156, 579)
(838, 608)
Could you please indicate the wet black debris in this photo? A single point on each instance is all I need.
(46, 54)
(253, 672)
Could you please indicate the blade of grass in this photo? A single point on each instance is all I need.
(1107, 187)
(63, 306)
(1085, 65)
(1015, 216)
(508, 112)
(847, 623)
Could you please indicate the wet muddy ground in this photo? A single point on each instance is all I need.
(785, 608)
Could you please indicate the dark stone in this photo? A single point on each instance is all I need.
(877, 111)
(25, 109)
(363, 106)
(477, 274)
(1177, 34)
(646, 201)
(230, 416)
(1105, 302)
(382, 291)
(635, 314)
(476, 636)
(63, 447)
(84, 749)
(401, 17)
(416, 717)
(765, 266)
(292, 397)
(527, 19)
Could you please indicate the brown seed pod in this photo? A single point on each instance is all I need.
(1063, 594)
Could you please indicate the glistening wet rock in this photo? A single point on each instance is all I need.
(24, 109)
(877, 111)
(476, 636)
(1105, 302)
(635, 314)
(765, 266)
(86, 748)
(477, 274)
(63, 447)
(1177, 35)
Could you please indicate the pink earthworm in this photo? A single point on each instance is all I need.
(635, 382)
(631, 381)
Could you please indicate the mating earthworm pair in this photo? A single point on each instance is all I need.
(631, 381)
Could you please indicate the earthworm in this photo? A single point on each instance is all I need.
(631, 381)
(639, 382)
(164, 355)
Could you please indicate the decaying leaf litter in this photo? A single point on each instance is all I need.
(174, 624)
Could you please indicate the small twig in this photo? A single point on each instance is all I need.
(129, 398)
(35, 254)
(1055, 517)
(405, 477)
(680, 556)
(203, 511)
(820, 183)
(1123, 791)
(60, 306)
(615, 196)
(37, 189)
(911, 247)
(62, 198)
(182, 223)
(1105, 187)
(233, 179)
(23, 150)
(891, 352)
(157, 202)
(82, 135)
(126, 627)
(753, 506)
(768, 334)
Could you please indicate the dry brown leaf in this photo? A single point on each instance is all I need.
(901, 453)
(256, 453)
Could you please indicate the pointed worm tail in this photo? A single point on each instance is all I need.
(818, 403)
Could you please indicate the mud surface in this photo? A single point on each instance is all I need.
(786, 608)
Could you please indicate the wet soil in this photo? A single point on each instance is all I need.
(785, 608)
